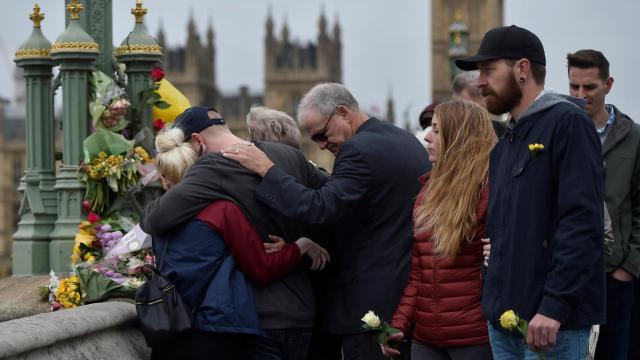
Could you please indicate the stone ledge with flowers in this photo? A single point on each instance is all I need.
(118, 170)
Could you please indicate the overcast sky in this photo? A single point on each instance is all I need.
(386, 44)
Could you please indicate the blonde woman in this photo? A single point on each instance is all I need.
(207, 259)
(441, 301)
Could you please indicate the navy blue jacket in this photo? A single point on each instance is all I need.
(196, 252)
(545, 218)
(369, 198)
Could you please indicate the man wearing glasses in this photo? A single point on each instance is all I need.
(368, 199)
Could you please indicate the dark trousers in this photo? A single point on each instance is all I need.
(282, 345)
(421, 351)
(196, 344)
(346, 347)
(634, 342)
(613, 342)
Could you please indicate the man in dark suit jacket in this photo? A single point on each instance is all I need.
(368, 199)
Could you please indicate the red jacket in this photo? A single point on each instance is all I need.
(442, 298)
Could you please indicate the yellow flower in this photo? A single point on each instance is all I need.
(142, 153)
(102, 155)
(532, 147)
(68, 292)
(509, 320)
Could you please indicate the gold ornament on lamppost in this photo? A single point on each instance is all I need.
(74, 8)
(139, 12)
(36, 16)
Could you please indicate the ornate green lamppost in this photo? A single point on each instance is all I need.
(458, 42)
(75, 51)
(140, 53)
(38, 206)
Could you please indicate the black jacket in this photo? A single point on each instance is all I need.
(545, 218)
(369, 198)
(284, 304)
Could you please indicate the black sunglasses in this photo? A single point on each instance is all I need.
(322, 134)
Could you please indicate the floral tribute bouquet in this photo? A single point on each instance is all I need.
(106, 263)
(109, 250)
(108, 106)
(111, 167)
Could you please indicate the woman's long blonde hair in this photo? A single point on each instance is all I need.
(457, 178)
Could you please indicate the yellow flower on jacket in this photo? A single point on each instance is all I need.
(509, 320)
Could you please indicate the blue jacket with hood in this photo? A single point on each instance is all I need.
(545, 218)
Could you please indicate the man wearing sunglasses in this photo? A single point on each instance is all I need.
(368, 199)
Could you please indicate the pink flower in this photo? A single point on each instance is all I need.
(86, 205)
(55, 306)
(93, 217)
(157, 74)
(158, 124)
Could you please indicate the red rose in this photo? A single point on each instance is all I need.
(158, 124)
(157, 74)
(93, 217)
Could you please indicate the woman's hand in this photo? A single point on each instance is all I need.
(389, 351)
(276, 245)
(319, 256)
(486, 250)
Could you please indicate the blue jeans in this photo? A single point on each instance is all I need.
(570, 345)
(613, 342)
(282, 345)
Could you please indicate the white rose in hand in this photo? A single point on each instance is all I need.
(371, 319)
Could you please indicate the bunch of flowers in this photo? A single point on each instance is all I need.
(86, 247)
(112, 166)
(108, 106)
(68, 292)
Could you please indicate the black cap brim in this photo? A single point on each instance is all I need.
(471, 62)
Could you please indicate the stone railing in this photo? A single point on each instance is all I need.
(96, 331)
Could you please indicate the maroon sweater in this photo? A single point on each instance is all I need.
(245, 245)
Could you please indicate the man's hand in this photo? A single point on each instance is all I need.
(276, 245)
(249, 156)
(387, 350)
(319, 256)
(621, 275)
(541, 334)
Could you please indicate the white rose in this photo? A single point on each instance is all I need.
(371, 319)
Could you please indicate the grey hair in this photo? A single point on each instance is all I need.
(466, 80)
(324, 99)
(272, 125)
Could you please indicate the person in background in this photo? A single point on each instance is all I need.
(271, 125)
(441, 301)
(465, 86)
(589, 79)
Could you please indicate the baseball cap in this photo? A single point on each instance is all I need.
(196, 119)
(506, 42)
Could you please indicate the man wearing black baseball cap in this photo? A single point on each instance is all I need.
(545, 207)
(285, 307)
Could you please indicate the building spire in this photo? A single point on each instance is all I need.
(285, 30)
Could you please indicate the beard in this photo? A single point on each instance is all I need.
(505, 100)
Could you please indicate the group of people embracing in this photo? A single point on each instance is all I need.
(290, 258)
